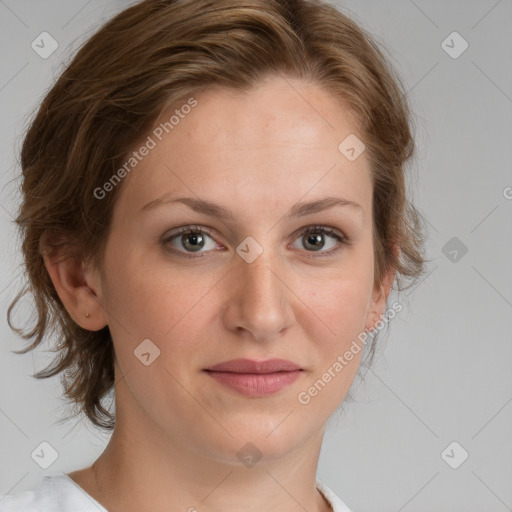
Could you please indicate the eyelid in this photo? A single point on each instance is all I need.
(189, 228)
(323, 228)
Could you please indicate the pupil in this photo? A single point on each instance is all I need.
(315, 238)
(194, 237)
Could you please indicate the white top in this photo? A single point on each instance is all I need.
(59, 493)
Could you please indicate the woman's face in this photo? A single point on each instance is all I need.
(248, 284)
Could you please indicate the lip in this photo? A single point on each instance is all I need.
(251, 366)
(255, 378)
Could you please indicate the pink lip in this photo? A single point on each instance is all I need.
(255, 378)
(250, 366)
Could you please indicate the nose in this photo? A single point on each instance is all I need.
(259, 299)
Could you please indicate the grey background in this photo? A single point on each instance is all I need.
(444, 374)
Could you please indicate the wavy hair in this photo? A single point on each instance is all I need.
(147, 58)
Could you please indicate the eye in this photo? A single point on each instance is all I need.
(190, 238)
(313, 239)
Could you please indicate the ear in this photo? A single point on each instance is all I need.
(78, 286)
(380, 295)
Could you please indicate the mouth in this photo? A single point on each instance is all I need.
(255, 378)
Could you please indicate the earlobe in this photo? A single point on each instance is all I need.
(78, 290)
(377, 308)
(380, 296)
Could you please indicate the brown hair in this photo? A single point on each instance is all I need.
(147, 58)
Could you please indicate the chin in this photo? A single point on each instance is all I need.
(258, 442)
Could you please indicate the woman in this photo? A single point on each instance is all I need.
(214, 214)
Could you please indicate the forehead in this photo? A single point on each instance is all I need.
(276, 111)
(278, 140)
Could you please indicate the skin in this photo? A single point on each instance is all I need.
(177, 430)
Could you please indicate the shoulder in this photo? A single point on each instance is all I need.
(37, 499)
(334, 500)
(23, 501)
(58, 493)
(55, 493)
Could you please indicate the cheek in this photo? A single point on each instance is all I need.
(341, 300)
(153, 300)
(336, 323)
(147, 299)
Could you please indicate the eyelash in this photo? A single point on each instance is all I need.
(194, 229)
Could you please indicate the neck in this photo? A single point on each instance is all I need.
(128, 476)
(144, 467)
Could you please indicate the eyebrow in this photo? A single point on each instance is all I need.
(221, 213)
